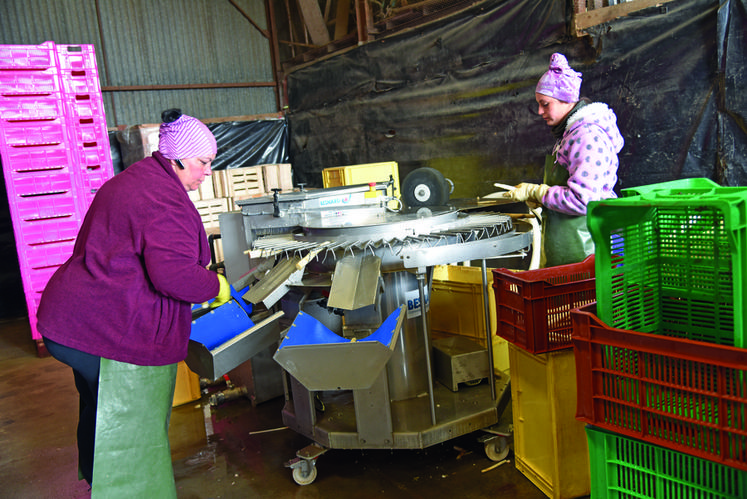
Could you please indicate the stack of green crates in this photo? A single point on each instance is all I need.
(670, 260)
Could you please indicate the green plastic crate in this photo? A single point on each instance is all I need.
(671, 261)
(685, 183)
(625, 467)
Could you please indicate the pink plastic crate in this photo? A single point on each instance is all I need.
(20, 160)
(30, 107)
(76, 57)
(34, 133)
(88, 131)
(48, 181)
(60, 205)
(32, 303)
(23, 82)
(95, 154)
(34, 281)
(27, 56)
(45, 231)
(43, 256)
(80, 81)
(85, 107)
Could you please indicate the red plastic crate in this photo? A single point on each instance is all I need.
(533, 307)
(685, 395)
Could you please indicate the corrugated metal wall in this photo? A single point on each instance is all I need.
(164, 43)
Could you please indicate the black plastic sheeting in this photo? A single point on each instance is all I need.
(458, 95)
(240, 143)
(250, 143)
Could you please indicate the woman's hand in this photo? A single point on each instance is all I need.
(530, 193)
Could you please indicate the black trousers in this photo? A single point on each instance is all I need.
(86, 373)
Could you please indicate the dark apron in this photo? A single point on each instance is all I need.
(132, 456)
(565, 238)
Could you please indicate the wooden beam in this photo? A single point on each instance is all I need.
(312, 15)
(364, 21)
(341, 18)
(185, 86)
(585, 20)
(248, 18)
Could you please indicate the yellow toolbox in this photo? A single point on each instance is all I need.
(363, 174)
(550, 445)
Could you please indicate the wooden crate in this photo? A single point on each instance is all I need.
(278, 176)
(239, 183)
(209, 209)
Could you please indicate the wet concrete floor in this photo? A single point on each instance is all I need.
(232, 450)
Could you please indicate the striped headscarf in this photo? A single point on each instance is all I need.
(185, 137)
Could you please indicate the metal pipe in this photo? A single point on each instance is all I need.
(426, 335)
(486, 311)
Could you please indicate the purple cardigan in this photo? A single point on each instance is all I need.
(138, 264)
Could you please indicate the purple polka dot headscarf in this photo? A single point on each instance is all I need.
(560, 81)
(186, 137)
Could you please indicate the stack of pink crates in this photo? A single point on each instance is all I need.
(55, 153)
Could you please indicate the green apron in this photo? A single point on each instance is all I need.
(132, 455)
(565, 238)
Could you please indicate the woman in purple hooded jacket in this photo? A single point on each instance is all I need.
(119, 310)
(582, 167)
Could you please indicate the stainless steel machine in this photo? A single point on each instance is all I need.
(350, 269)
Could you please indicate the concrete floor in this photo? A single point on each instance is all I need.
(223, 451)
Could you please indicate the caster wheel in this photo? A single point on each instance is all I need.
(300, 478)
(497, 449)
(473, 382)
(425, 187)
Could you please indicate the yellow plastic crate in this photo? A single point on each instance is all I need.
(457, 308)
(550, 445)
(363, 174)
(187, 385)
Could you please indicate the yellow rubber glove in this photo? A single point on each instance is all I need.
(530, 193)
(224, 293)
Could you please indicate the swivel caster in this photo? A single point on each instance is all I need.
(304, 465)
(497, 448)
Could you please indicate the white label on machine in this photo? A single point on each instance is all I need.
(413, 303)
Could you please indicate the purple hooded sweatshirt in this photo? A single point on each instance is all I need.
(588, 150)
(138, 264)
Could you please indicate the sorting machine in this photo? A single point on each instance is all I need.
(335, 283)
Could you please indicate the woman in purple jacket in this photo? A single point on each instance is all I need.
(119, 310)
(582, 167)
